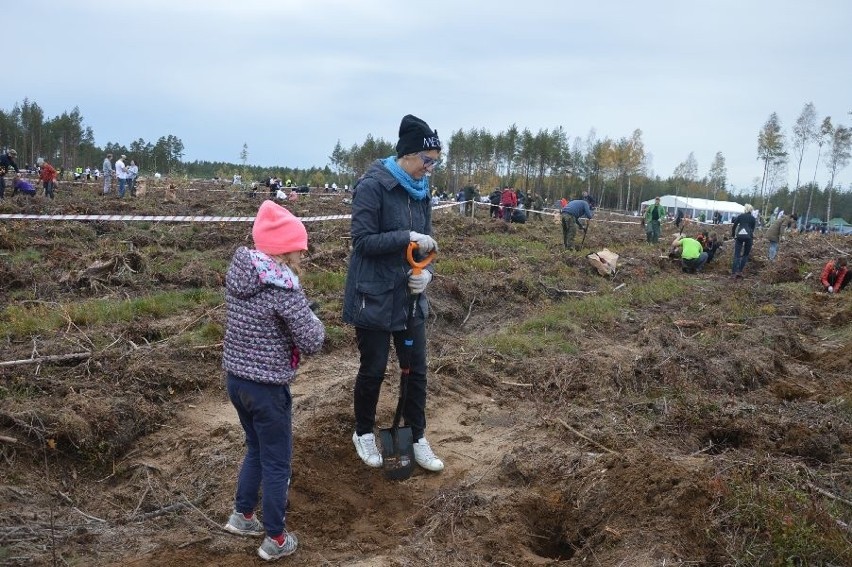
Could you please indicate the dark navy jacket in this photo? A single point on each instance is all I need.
(743, 226)
(6, 162)
(383, 216)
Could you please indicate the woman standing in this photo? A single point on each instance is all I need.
(47, 174)
(390, 208)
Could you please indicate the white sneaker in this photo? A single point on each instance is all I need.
(425, 457)
(367, 450)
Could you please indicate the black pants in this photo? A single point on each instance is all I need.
(711, 252)
(2, 186)
(832, 280)
(374, 347)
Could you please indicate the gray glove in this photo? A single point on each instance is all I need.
(425, 243)
(417, 284)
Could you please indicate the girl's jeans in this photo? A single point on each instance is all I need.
(265, 412)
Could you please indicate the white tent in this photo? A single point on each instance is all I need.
(693, 207)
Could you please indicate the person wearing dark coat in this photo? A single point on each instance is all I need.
(390, 209)
(494, 209)
(7, 160)
(743, 232)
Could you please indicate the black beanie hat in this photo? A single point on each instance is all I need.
(415, 136)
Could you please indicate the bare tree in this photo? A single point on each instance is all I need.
(838, 156)
(826, 131)
(804, 132)
(770, 149)
(718, 174)
(634, 161)
(686, 171)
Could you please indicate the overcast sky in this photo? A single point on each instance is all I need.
(292, 77)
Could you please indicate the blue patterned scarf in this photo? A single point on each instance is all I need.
(418, 190)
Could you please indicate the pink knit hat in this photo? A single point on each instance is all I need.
(277, 231)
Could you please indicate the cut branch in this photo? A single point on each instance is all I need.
(565, 291)
(825, 492)
(50, 358)
(836, 248)
(469, 310)
(168, 509)
(589, 439)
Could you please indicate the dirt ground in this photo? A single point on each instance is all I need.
(646, 440)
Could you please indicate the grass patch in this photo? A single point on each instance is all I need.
(515, 242)
(658, 291)
(593, 309)
(205, 334)
(456, 266)
(172, 263)
(26, 320)
(325, 282)
(550, 331)
(24, 257)
(336, 336)
(19, 321)
(786, 524)
(514, 344)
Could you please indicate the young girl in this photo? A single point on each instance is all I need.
(269, 326)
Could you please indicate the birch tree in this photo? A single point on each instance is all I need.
(826, 131)
(718, 174)
(685, 171)
(770, 149)
(804, 132)
(837, 158)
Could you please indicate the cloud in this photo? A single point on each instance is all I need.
(292, 78)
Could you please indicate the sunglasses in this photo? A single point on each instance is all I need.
(428, 162)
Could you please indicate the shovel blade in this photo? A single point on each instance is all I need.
(397, 452)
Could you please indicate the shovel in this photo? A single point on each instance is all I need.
(398, 442)
(585, 230)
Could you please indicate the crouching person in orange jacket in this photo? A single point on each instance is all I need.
(835, 275)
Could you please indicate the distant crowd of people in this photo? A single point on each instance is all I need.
(693, 251)
(46, 174)
(126, 176)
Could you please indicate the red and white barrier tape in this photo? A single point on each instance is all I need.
(155, 218)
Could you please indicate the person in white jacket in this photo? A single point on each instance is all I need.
(121, 175)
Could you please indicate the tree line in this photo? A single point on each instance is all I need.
(547, 162)
(617, 171)
(776, 150)
(66, 143)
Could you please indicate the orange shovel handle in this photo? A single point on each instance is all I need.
(417, 267)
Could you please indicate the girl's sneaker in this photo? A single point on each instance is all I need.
(270, 550)
(240, 525)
